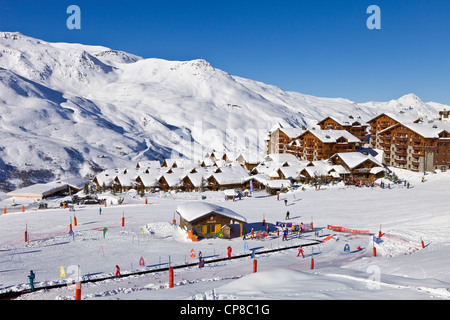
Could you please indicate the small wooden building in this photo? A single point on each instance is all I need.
(209, 220)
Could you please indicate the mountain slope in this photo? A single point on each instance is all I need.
(71, 109)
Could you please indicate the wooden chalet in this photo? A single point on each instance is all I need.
(204, 220)
(363, 167)
(322, 144)
(355, 125)
(280, 140)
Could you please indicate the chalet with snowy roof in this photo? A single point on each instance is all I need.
(227, 178)
(274, 187)
(279, 140)
(105, 179)
(322, 144)
(419, 147)
(170, 181)
(204, 220)
(148, 181)
(355, 125)
(360, 166)
(384, 121)
(249, 161)
(193, 182)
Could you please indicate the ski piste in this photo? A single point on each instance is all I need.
(14, 294)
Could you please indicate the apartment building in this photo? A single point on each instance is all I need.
(419, 147)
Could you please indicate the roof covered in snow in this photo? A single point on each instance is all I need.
(331, 136)
(354, 159)
(192, 211)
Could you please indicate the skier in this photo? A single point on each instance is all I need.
(287, 216)
(31, 277)
(100, 211)
(117, 271)
(278, 197)
(229, 252)
(302, 227)
(285, 202)
(300, 251)
(285, 232)
(267, 228)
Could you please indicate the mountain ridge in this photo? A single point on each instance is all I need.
(73, 109)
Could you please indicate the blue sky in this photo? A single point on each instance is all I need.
(322, 48)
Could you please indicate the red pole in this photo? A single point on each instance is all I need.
(123, 221)
(78, 291)
(26, 236)
(374, 251)
(312, 263)
(170, 277)
(255, 264)
(423, 245)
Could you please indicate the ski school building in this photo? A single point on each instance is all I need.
(204, 220)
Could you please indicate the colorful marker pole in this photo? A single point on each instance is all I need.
(170, 277)
(78, 291)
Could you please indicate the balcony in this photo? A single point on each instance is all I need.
(401, 146)
(400, 161)
(401, 153)
(401, 139)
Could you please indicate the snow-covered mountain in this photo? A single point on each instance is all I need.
(70, 109)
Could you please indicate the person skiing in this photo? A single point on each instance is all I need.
(285, 202)
(287, 216)
(302, 227)
(300, 251)
(285, 232)
(100, 211)
(31, 277)
(229, 252)
(117, 271)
